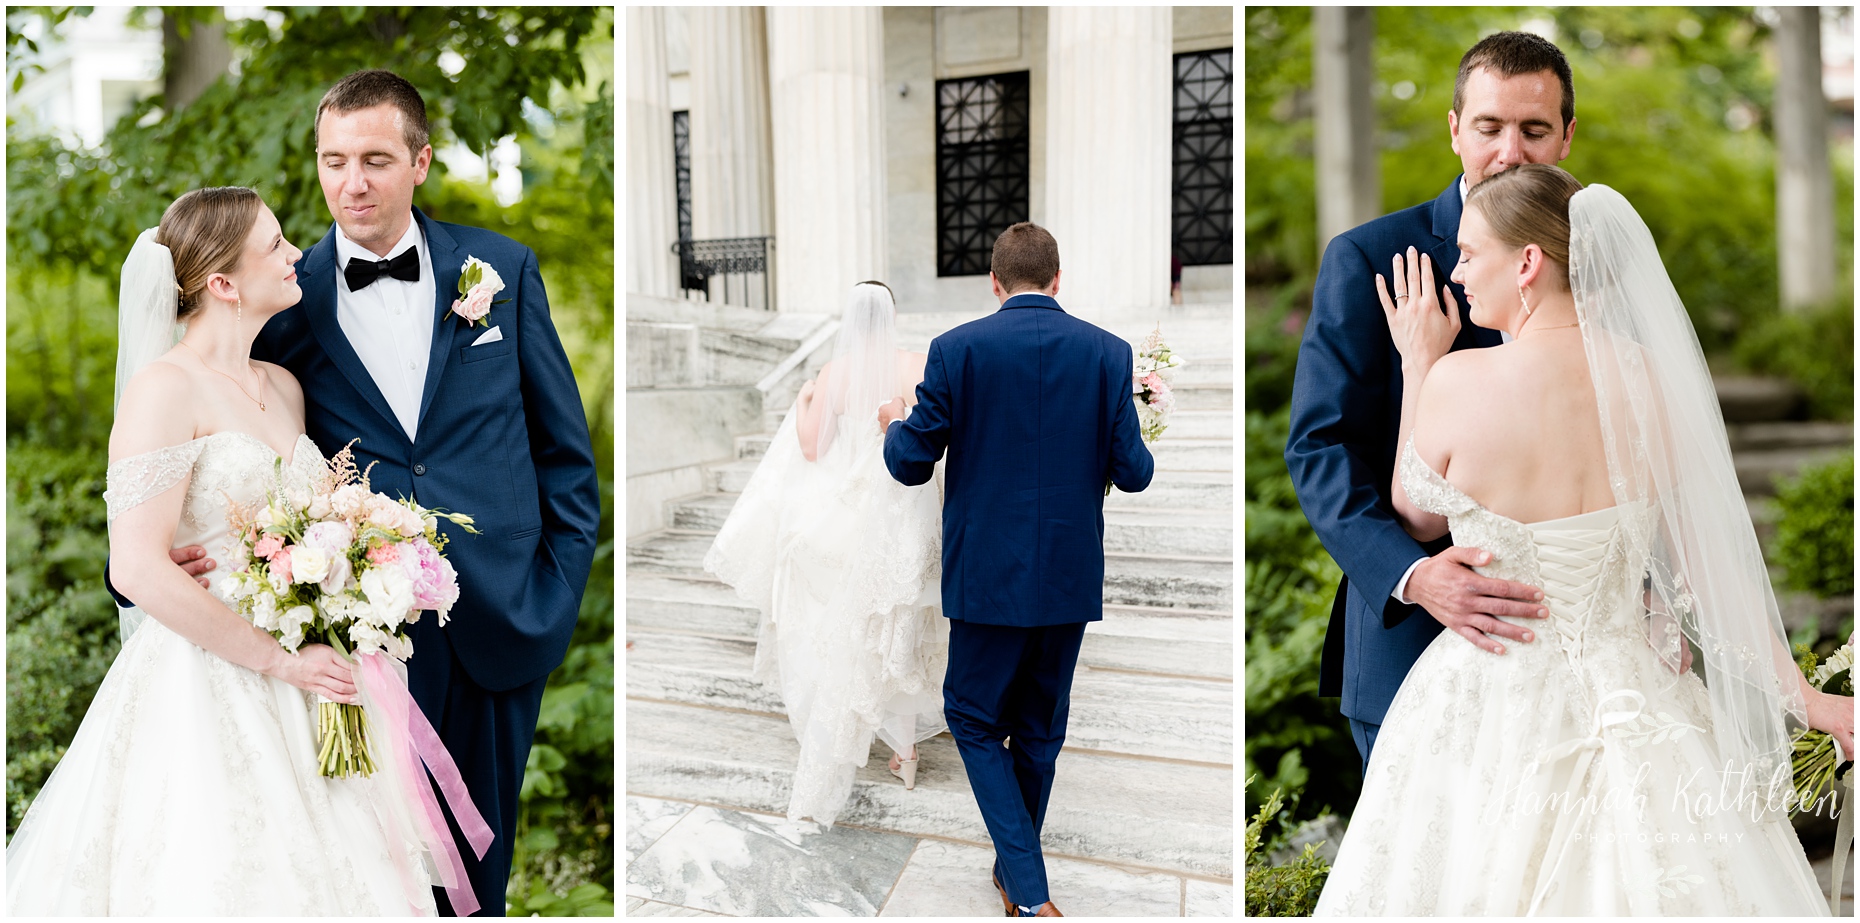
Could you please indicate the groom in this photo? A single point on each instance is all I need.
(1513, 103)
(483, 419)
(1034, 408)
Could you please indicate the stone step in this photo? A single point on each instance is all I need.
(1144, 531)
(1751, 399)
(1205, 370)
(1187, 642)
(1179, 490)
(1174, 581)
(1176, 489)
(1204, 397)
(1188, 429)
(1201, 424)
(1183, 454)
(1114, 712)
(1176, 816)
(1747, 437)
(700, 512)
(1758, 470)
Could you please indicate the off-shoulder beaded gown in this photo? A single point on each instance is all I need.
(191, 787)
(1462, 811)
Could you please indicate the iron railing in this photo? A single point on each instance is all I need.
(701, 262)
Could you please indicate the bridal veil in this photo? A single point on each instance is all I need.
(146, 306)
(1667, 452)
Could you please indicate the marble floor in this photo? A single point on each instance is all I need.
(685, 859)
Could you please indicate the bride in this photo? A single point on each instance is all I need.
(192, 786)
(845, 565)
(1588, 771)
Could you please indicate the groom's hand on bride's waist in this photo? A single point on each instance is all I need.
(1458, 597)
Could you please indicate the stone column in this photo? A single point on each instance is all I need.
(1804, 183)
(732, 177)
(826, 75)
(1109, 112)
(651, 180)
(1349, 179)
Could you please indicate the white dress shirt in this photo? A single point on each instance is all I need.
(390, 324)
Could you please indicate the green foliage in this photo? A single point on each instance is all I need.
(61, 625)
(1648, 81)
(1295, 740)
(1285, 890)
(1812, 348)
(1815, 531)
(535, 73)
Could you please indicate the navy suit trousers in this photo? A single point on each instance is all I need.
(489, 735)
(1012, 683)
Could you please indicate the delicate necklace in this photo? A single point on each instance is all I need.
(1557, 327)
(235, 381)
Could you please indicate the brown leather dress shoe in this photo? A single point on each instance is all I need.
(1006, 902)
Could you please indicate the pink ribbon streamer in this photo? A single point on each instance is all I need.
(415, 743)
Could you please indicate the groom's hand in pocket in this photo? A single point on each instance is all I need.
(1458, 597)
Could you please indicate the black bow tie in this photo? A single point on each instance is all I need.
(363, 273)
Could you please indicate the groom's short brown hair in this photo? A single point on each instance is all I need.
(367, 89)
(1514, 54)
(1025, 256)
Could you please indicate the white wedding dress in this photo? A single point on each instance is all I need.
(1459, 813)
(192, 787)
(844, 564)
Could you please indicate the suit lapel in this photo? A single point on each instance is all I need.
(447, 261)
(318, 281)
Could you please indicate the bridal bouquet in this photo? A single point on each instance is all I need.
(1155, 369)
(1816, 763)
(1149, 387)
(342, 565)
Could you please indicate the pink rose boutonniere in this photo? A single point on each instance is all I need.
(478, 284)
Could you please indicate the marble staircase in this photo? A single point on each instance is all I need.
(1146, 780)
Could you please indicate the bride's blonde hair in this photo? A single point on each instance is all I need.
(205, 230)
(1529, 204)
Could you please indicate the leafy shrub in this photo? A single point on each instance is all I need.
(61, 625)
(1283, 890)
(1815, 531)
(1814, 349)
(1295, 740)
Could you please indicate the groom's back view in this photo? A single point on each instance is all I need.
(1034, 408)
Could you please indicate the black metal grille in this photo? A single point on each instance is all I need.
(1202, 225)
(681, 160)
(981, 168)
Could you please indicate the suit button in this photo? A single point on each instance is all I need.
(419, 469)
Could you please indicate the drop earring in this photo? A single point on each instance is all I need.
(1524, 302)
(239, 311)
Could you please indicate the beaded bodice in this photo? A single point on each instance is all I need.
(221, 468)
(1586, 565)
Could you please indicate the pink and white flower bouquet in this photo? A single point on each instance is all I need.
(1155, 369)
(1149, 387)
(345, 566)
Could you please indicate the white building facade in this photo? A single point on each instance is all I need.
(87, 75)
(818, 147)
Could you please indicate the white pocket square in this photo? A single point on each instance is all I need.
(492, 335)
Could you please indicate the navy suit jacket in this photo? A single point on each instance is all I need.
(1034, 407)
(501, 436)
(1346, 418)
